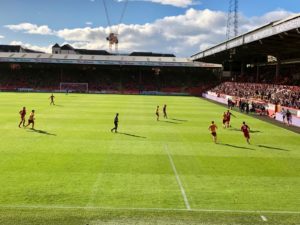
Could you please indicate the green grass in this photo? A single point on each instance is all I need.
(75, 171)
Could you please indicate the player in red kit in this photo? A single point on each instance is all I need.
(22, 114)
(228, 116)
(246, 130)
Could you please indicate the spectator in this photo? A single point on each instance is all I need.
(283, 95)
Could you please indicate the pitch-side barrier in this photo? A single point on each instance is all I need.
(273, 110)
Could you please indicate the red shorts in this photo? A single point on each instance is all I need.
(246, 135)
(30, 121)
(214, 134)
(224, 121)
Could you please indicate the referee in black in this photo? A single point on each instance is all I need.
(116, 122)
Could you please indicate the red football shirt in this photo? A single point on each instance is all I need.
(245, 128)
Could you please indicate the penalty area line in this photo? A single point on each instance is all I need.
(186, 201)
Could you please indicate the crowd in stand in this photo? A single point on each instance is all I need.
(106, 79)
(283, 95)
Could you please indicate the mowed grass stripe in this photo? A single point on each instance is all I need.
(138, 217)
(132, 172)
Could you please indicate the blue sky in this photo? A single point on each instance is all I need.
(140, 21)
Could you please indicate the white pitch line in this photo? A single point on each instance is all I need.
(143, 209)
(186, 201)
(264, 218)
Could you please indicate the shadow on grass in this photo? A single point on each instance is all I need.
(166, 121)
(235, 146)
(233, 129)
(130, 135)
(58, 105)
(273, 148)
(178, 120)
(255, 131)
(251, 131)
(41, 132)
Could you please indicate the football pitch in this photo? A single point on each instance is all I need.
(73, 170)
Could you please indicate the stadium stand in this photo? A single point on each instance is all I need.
(68, 49)
(151, 54)
(268, 54)
(16, 48)
(283, 95)
(106, 79)
(139, 72)
(261, 69)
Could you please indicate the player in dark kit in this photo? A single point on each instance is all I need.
(246, 130)
(289, 117)
(213, 129)
(116, 122)
(52, 99)
(22, 114)
(31, 119)
(157, 113)
(165, 112)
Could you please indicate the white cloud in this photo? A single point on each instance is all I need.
(247, 24)
(176, 3)
(1, 37)
(183, 35)
(31, 28)
(89, 23)
(83, 34)
(179, 34)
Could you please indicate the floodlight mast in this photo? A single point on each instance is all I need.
(232, 20)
